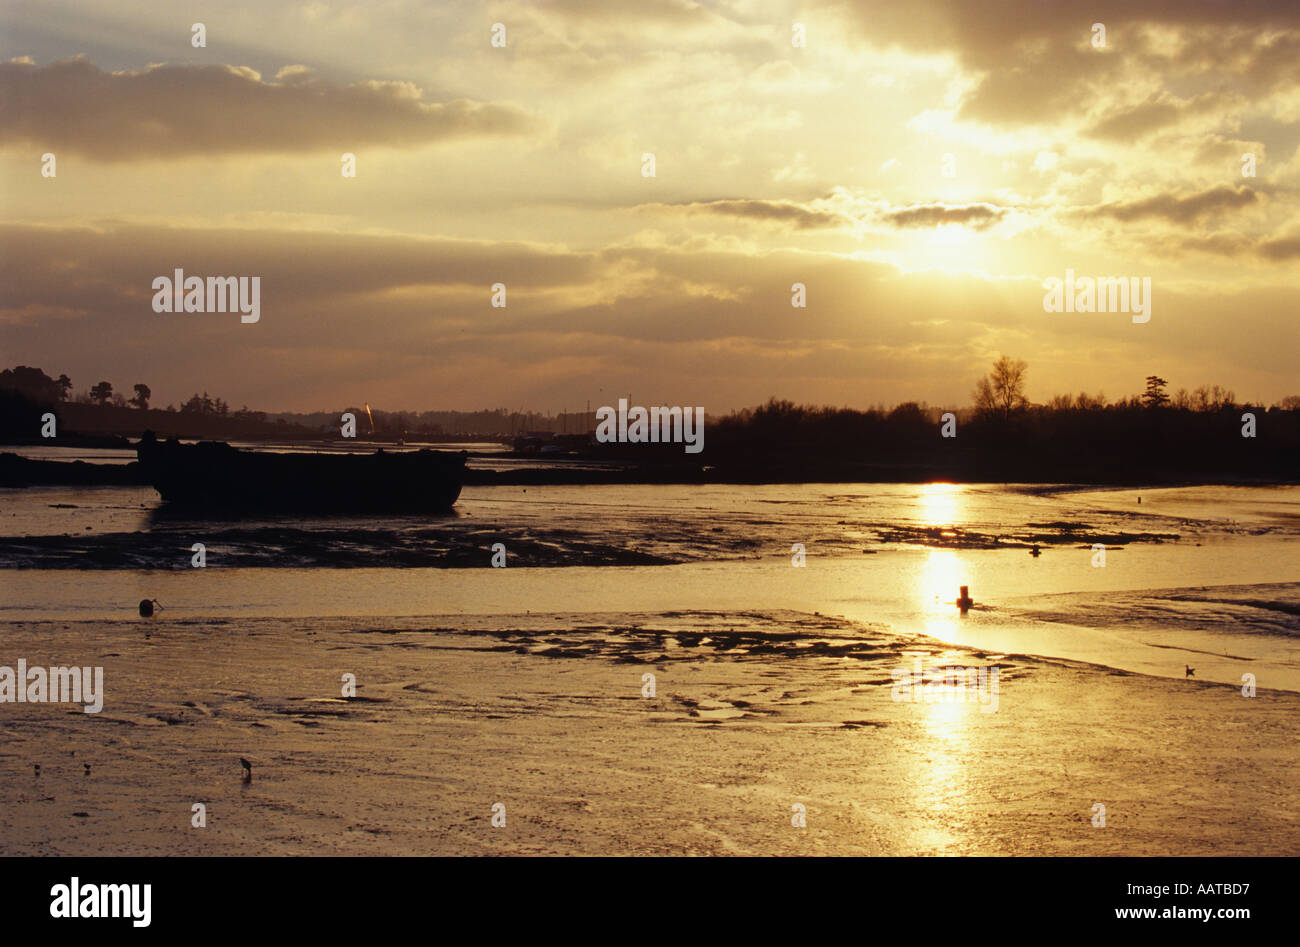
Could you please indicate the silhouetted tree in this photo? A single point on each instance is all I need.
(102, 393)
(65, 384)
(1154, 396)
(1212, 398)
(1002, 390)
(142, 396)
(32, 383)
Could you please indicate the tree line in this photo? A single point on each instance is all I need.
(35, 386)
(1003, 437)
(1001, 393)
(1000, 406)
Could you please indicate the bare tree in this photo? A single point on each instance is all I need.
(1212, 398)
(1002, 390)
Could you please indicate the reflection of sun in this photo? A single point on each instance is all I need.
(939, 503)
(940, 580)
(941, 781)
(946, 719)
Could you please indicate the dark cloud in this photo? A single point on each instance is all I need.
(650, 11)
(1232, 246)
(167, 112)
(1036, 64)
(1280, 249)
(1179, 209)
(780, 212)
(986, 34)
(1222, 151)
(1215, 244)
(1130, 123)
(1137, 121)
(69, 266)
(975, 216)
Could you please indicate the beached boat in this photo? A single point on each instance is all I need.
(214, 476)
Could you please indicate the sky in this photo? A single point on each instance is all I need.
(920, 168)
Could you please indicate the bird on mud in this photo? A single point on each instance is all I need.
(248, 769)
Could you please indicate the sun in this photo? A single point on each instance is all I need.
(949, 247)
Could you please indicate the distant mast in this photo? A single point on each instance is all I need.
(372, 420)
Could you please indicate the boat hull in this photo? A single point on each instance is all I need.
(213, 476)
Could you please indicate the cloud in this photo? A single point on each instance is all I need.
(637, 11)
(1281, 248)
(1178, 209)
(60, 263)
(1217, 150)
(1233, 246)
(1133, 122)
(800, 216)
(1033, 61)
(985, 33)
(975, 216)
(408, 319)
(169, 112)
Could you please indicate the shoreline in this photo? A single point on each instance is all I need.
(21, 472)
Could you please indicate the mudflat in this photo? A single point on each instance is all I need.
(753, 720)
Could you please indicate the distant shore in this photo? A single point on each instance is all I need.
(19, 471)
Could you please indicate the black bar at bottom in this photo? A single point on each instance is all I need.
(345, 897)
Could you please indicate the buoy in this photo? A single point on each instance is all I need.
(1191, 671)
(1035, 552)
(964, 601)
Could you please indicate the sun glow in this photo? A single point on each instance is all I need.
(951, 248)
(940, 503)
(940, 580)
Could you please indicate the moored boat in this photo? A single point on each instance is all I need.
(212, 475)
